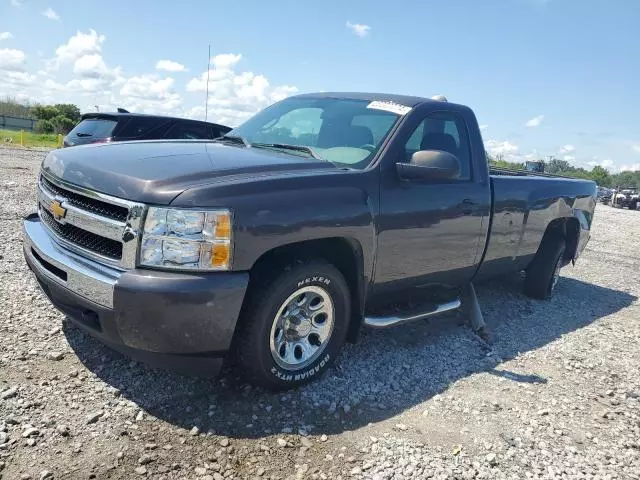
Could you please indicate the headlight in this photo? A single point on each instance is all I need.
(186, 239)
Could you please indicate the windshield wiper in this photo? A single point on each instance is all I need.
(285, 146)
(232, 139)
(80, 134)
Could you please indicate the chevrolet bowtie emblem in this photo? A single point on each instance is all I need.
(57, 210)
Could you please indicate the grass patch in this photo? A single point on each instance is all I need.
(29, 139)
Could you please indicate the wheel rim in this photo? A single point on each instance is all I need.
(302, 328)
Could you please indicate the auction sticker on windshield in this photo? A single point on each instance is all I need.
(392, 107)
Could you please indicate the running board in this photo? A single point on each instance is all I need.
(391, 320)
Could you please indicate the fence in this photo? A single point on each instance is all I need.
(8, 122)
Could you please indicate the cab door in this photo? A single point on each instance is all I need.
(431, 231)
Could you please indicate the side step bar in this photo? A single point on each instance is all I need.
(391, 320)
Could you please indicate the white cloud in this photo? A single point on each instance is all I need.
(170, 66)
(11, 60)
(80, 72)
(567, 149)
(17, 3)
(51, 14)
(630, 168)
(225, 60)
(535, 121)
(233, 96)
(16, 80)
(569, 158)
(483, 127)
(496, 147)
(636, 147)
(5, 35)
(358, 29)
(147, 86)
(77, 46)
(606, 163)
(90, 66)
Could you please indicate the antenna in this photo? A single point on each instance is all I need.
(206, 101)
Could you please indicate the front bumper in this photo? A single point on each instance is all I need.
(175, 320)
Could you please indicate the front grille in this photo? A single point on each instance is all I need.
(92, 205)
(77, 236)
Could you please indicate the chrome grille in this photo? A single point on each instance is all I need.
(92, 205)
(92, 224)
(82, 238)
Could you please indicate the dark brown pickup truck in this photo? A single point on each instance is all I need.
(271, 246)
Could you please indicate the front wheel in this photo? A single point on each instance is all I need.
(544, 272)
(293, 325)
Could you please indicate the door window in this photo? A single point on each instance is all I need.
(188, 130)
(442, 131)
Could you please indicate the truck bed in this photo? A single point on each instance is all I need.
(524, 205)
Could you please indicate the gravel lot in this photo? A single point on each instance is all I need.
(556, 397)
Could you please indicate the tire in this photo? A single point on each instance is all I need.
(543, 273)
(312, 332)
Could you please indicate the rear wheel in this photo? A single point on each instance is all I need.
(293, 325)
(544, 272)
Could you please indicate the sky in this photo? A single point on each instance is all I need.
(545, 77)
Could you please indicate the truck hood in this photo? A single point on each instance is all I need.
(156, 172)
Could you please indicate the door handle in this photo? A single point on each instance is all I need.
(467, 206)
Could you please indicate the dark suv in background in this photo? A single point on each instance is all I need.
(123, 125)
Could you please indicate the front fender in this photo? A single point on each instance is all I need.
(270, 212)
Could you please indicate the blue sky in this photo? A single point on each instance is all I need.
(569, 69)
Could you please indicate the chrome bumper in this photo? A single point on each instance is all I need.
(84, 277)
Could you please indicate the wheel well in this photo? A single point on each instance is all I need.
(343, 253)
(567, 228)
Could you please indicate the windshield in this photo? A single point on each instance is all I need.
(345, 132)
(94, 127)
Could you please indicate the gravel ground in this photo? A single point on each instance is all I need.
(556, 397)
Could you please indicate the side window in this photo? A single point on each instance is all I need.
(137, 127)
(297, 127)
(188, 130)
(216, 132)
(443, 131)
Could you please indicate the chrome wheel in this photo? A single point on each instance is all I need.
(302, 328)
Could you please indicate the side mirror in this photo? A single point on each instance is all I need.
(430, 165)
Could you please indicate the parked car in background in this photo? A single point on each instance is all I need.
(626, 197)
(604, 195)
(122, 125)
(534, 166)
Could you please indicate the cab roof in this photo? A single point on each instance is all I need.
(407, 100)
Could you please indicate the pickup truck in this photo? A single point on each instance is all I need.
(271, 246)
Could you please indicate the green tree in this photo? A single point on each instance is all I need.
(45, 126)
(45, 112)
(69, 110)
(62, 124)
(626, 179)
(556, 166)
(601, 176)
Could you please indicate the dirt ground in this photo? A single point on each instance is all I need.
(557, 396)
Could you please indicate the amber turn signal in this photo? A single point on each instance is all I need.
(223, 226)
(220, 255)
